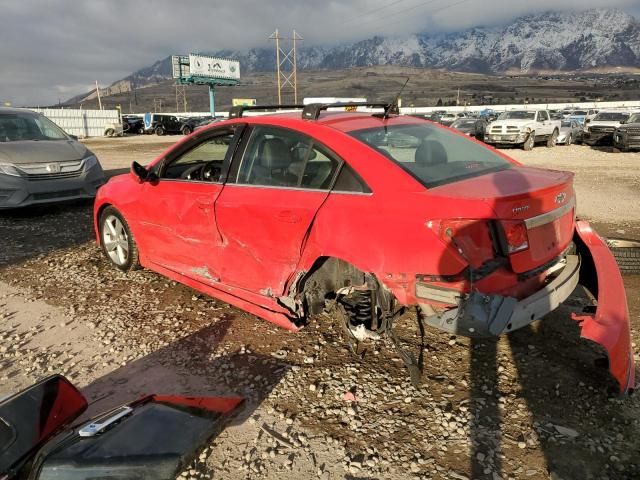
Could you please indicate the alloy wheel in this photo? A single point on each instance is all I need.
(116, 240)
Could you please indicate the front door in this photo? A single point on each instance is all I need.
(265, 212)
(180, 225)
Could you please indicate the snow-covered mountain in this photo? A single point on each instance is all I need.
(546, 41)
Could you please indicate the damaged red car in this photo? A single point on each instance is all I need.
(284, 214)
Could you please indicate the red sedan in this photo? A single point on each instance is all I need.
(283, 215)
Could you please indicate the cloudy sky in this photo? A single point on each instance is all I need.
(54, 49)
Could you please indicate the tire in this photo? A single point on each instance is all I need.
(159, 131)
(529, 142)
(109, 132)
(141, 130)
(553, 139)
(186, 130)
(115, 232)
(569, 140)
(627, 254)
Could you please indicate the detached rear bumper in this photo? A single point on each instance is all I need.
(609, 325)
(485, 315)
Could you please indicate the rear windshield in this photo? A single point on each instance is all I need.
(611, 116)
(16, 127)
(517, 115)
(431, 154)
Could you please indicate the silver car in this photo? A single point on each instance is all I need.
(570, 132)
(40, 163)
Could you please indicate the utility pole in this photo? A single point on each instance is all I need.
(181, 97)
(286, 64)
(98, 92)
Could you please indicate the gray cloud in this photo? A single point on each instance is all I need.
(53, 49)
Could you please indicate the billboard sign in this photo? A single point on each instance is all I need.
(245, 102)
(214, 67)
(180, 66)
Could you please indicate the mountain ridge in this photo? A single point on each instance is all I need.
(549, 41)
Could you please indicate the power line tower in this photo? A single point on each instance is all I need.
(181, 97)
(286, 68)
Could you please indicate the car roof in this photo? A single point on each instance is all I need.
(14, 110)
(343, 121)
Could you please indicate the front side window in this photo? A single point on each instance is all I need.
(203, 162)
(635, 118)
(16, 127)
(543, 116)
(432, 155)
(285, 158)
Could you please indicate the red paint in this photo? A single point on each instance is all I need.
(609, 326)
(246, 244)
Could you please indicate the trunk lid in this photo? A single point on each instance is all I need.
(543, 199)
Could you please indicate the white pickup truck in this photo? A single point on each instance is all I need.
(523, 127)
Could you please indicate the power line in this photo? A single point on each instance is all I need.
(399, 12)
(385, 23)
(366, 14)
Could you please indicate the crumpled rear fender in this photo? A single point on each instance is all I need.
(609, 324)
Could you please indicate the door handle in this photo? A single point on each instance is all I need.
(288, 216)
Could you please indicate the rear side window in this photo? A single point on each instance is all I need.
(285, 158)
(349, 181)
(431, 154)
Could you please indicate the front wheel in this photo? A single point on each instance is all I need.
(186, 130)
(569, 140)
(553, 139)
(117, 240)
(529, 142)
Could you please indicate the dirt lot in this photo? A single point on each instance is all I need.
(533, 404)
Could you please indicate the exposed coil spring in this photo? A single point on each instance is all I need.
(360, 308)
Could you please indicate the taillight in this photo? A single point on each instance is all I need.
(515, 233)
(470, 238)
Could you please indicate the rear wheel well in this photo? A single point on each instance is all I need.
(333, 279)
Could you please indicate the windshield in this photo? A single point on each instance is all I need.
(566, 123)
(579, 113)
(635, 118)
(517, 115)
(463, 123)
(432, 155)
(611, 116)
(17, 127)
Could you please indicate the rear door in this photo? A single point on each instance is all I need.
(179, 224)
(265, 214)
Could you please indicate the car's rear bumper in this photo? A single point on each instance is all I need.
(609, 324)
(16, 192)
(483, 315)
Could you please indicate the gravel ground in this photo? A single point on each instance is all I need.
(534, 404)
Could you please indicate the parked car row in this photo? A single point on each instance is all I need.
(526, 128)
(157, 123)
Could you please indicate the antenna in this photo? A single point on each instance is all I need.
(394, 105)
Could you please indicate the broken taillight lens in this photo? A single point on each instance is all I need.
(515, 233)
(470, 238)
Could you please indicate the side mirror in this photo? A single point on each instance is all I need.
(31, 417)
(139, 172)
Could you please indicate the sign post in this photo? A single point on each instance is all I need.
(205, 70)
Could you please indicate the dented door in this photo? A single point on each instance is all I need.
(180, 230)
(266, 210)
